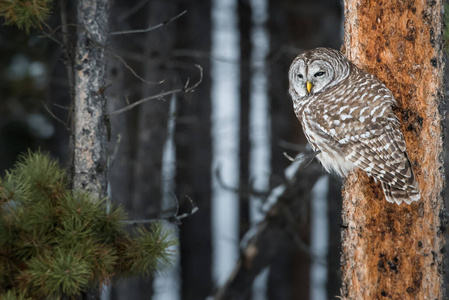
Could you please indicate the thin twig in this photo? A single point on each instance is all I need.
(176, 219)
(114, 153)
(132, 70)
(63, 28)
(241, 191)
(54, 116)
(61, 106)
(129, 12)
(150, 28)
(121, 59)
(306, 157)
(67, 49)
(185, 89)
(49, 36)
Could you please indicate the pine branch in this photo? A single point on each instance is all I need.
(56, 241)
(25, 14)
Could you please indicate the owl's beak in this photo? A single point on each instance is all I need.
(309, 86)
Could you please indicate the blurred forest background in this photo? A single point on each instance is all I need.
(221, 145)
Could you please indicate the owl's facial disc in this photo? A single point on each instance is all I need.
(310, 77)
(298, 77)
(319, 74)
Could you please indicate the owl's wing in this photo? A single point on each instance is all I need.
(377, 146)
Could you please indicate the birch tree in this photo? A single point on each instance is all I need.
(391, 251)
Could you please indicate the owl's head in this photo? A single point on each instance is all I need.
(315, 70)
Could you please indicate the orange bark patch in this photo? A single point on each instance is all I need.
(391, 251)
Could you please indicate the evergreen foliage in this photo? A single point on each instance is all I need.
(55, 241)
(25, 13)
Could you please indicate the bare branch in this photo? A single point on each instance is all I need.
(304, 158)
(263, 242)
(68, 55)
(151, 27)
(185, 90)
(55, 117)
(243, 191)
(129, 12)
(175, 219)
(131, 69)
(62, 27)
(114, 153)
(61, 106)
(51, 37)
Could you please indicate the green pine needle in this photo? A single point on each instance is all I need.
(62, 272)
(13, 188)
(25, 14)
(10, 295)
(154, 249)
(103, 258)
(44, 177)
(30, 244)
(55, 241)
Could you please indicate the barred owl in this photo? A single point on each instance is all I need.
(347, 115)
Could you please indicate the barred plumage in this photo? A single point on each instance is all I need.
(347, 114)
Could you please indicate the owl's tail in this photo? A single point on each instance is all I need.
(395, 195)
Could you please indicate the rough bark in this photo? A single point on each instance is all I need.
(89, 109)
(276, 233)
(391, 251)
(90, 129)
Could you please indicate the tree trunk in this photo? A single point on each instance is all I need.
(244, 23)
(90, 128)
(152, 116)
(194, 151)
(391, 251)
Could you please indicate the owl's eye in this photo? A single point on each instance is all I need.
(300, 76)
(319, 74)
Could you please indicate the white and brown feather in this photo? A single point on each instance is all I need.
(351, 121)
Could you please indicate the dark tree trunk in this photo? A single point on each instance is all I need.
(90, 137)
(121, 176)
(244, 13)
(334, 217)
(193, 151)
(388, 250)
(90, 127)
(152, 116)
